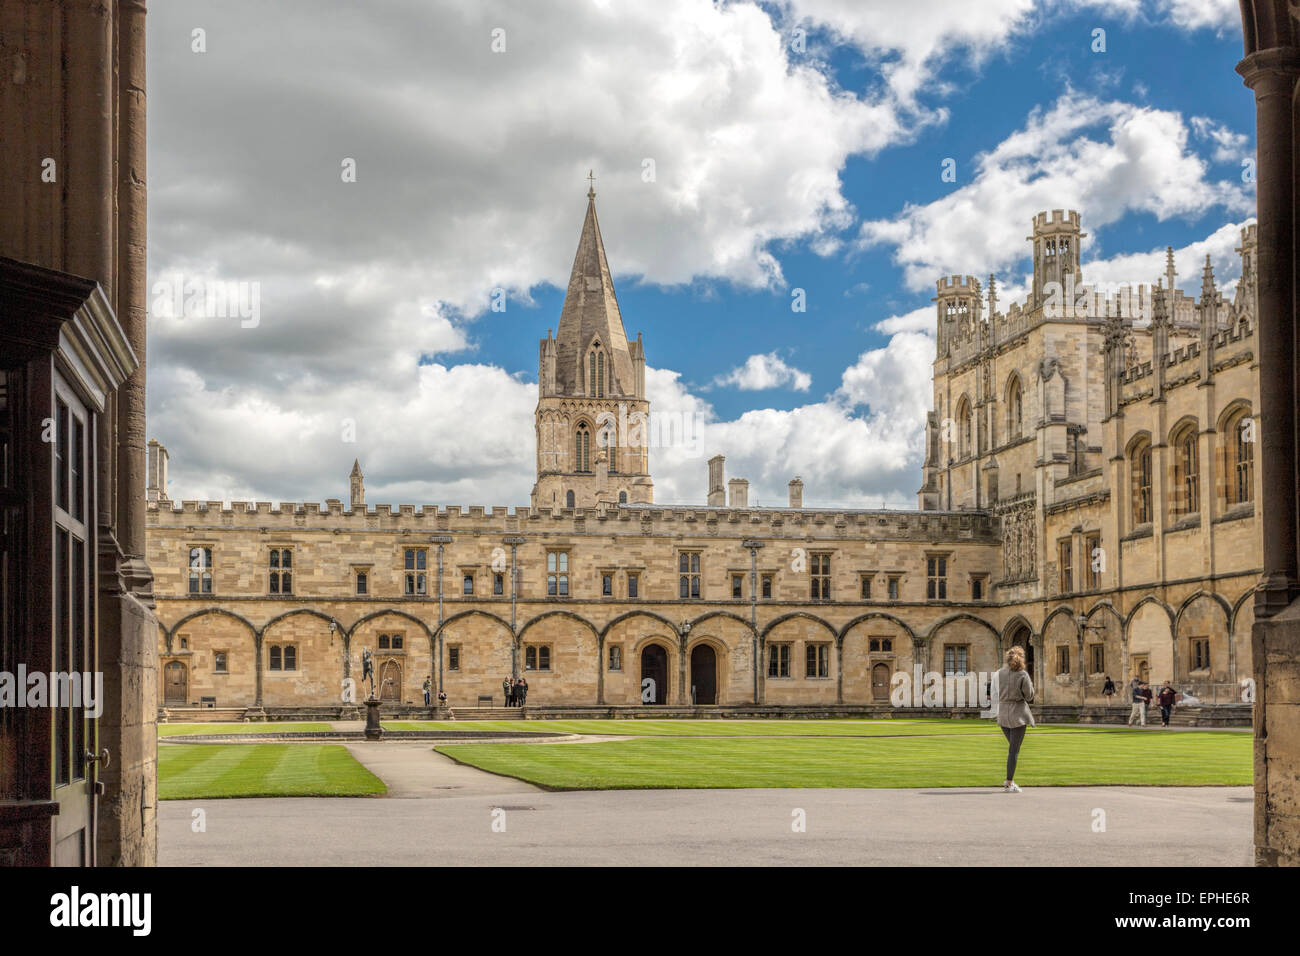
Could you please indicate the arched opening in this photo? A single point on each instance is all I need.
(568, 499)
(704, 675)
(390, 682)
(176, 684)
(1021, 637)
(654, 674)
(582, 448)
(880, 682)
(1015, 408)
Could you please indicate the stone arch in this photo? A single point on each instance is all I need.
(1149, 639)
(792, 616)
(1204, 615)
(666, 687)
(573, 646)
(481, 646)
(253, 629)
(638, 613)
(629, 633)
(319, 657)
(720, 669)
(226, 632)
(789, 640)
(858, 661)
(415, 658)
(710, 615)
(438, 629)
(980, 637)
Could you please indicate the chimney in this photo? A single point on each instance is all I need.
(156, 480)
(796, 492)
(717, 496)
(739, 489)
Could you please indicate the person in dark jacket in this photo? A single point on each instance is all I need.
(508, 689)
(1108, 690)
(521, 691)
(1168, 696)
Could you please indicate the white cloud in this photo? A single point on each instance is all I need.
(766, 371)
(1229, 146)
(1139, 163)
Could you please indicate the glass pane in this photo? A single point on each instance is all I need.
(286, 559)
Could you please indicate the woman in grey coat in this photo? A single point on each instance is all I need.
(1015, 691)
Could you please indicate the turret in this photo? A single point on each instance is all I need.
(357, 484)
(959, 306)
(1056, 240)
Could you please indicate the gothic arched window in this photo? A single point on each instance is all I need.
(1140, 475)
(1239, 449)
(964, 445)
(568, 499)
(582, 448)
(1015, 408)
(1187, 473)
(596, 372)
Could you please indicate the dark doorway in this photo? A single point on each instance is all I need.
(177, 687)
(704, 675)
(1020, 637)
(880, 682)
(654, 675)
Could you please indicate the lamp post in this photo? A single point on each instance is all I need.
(514, 541)
(440, 540)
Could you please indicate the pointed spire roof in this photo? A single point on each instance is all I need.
(1208, 290)
(356, 468)
(590, 314)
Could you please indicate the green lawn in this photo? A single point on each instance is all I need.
(268, 727)
(746, 728)
(1050, 757)
(195, 771)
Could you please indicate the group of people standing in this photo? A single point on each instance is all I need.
(516, 691)
(1141, 696)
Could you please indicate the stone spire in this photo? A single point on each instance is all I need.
(358, 486)
(1208, 291)
(591, 324)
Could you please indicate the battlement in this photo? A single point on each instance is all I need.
(610, 518)
(958, 285)
(1059, 219)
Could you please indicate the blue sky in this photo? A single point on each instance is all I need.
(776, 169)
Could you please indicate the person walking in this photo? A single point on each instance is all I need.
(1138, 712)
(508, 690)
(1015, 691)
(1108, 690)
(523, 691)
(1167, 698)
(1146, 701)
(428, 689)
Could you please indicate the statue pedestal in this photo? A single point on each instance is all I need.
(373, 730)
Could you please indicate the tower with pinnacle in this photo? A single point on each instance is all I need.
(593, 418)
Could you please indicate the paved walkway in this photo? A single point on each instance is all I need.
(441, 813)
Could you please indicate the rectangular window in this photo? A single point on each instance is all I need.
(977, 585)
(397, 642)
(200, 570)
(737, 586)
(281, 570)
(688, 568)
(885, 644)
(219, 662)
(453, 657)
(274, 663)
(557, 573)
(363, 582)
(1063, 660)
(469, 582)
(820, 571)
(383, 642)
(633, 585)
(894, 586)
(537, 657)
(767, 586)
(1065, 563)
(290, 657)
(1092, 556)
(607, 584)
(956, 659)
(936, 578)
(817, 660)
(530, 658)
(1097, 657)
(616, 657)
(415, 564)
(498, 583)
(866, 587)
(1200, 653)
(778, 660)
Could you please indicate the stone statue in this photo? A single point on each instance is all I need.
(368, 669)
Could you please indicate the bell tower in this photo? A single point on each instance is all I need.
(593, 418)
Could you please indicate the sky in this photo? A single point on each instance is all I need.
(362, 218)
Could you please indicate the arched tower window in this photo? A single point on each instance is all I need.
(568, 499)
(596, 372)
(582, 448)
(609, 442)
(1239, 448)
(1015, 408)
(964, 445)
(1187, 473)
(1140, 477)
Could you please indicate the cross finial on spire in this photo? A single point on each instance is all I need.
(591, 189)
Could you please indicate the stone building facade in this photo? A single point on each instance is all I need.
(1026, 532)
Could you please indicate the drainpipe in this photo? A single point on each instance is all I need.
(440, 540)
(753, 605)
(514, 543)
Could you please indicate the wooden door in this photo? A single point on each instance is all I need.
(880, 682)
(176, 692)
(704, 675)
(390, 680)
